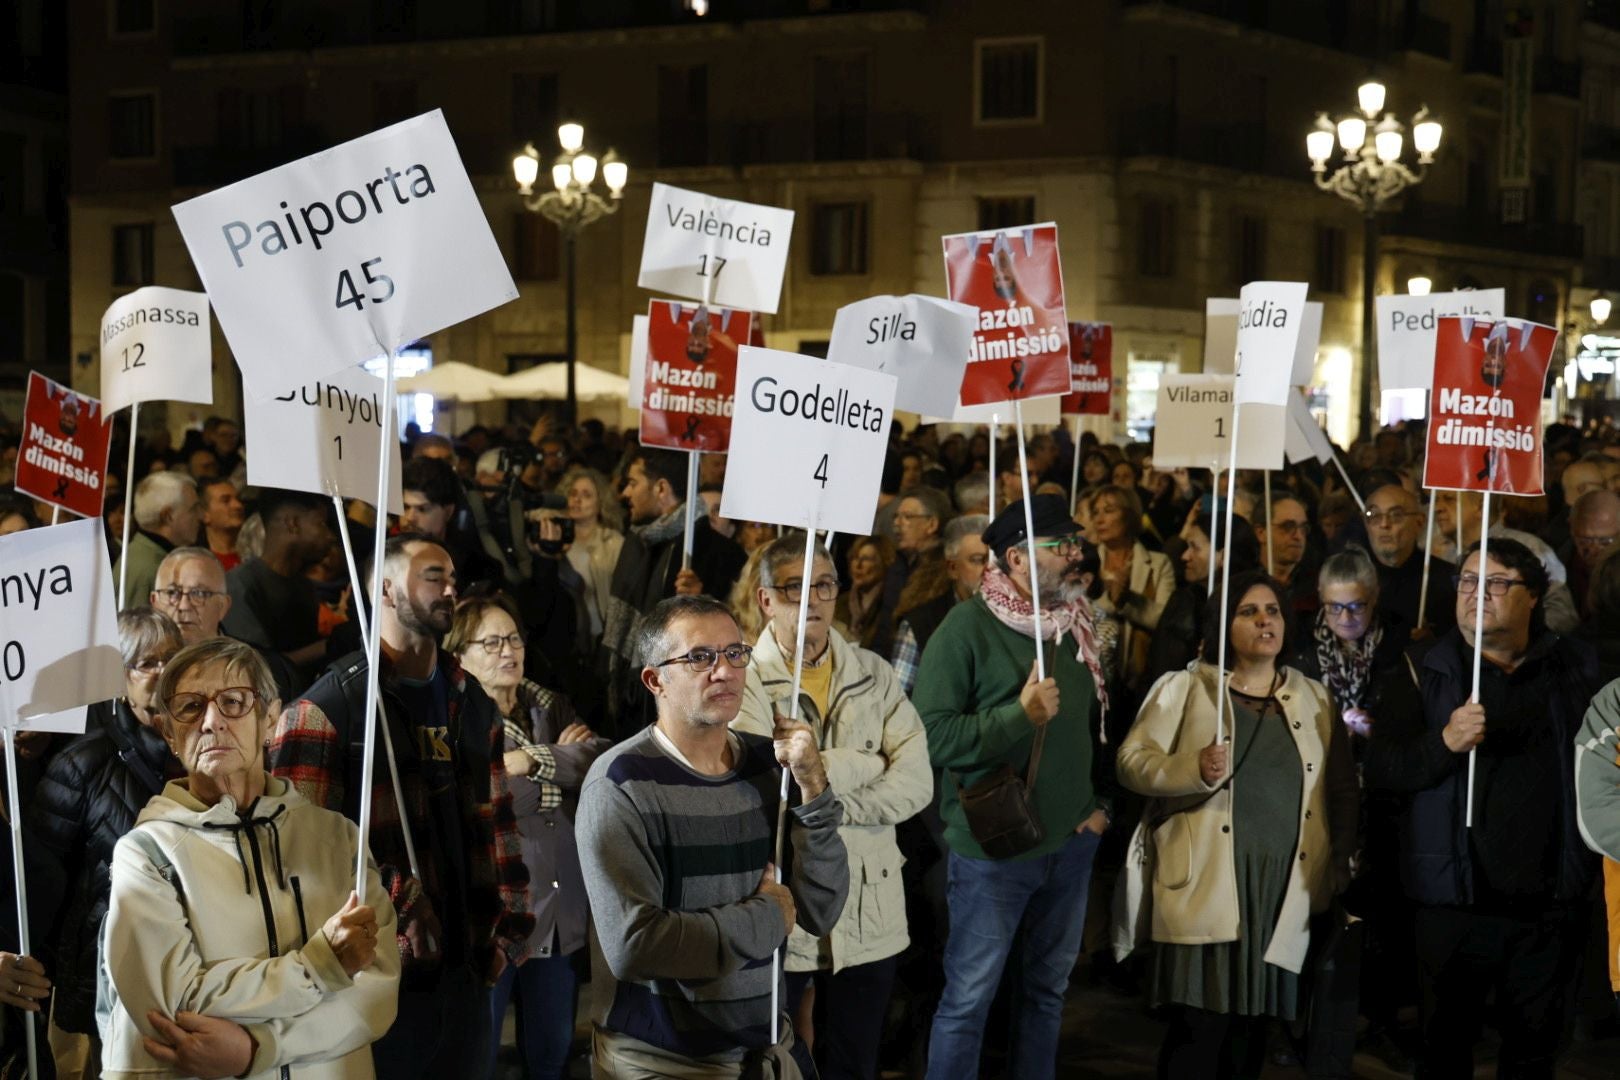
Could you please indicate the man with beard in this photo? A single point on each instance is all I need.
(987, 712)
(467, 915)
(1394, 521)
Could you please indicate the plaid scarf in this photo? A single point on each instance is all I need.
(1346, 671)
(1017, 613)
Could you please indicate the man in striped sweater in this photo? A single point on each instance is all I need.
(676, 826)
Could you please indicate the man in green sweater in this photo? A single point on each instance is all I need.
(982, 705)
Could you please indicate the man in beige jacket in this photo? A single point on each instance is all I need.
(876, 756)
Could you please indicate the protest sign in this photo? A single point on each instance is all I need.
(1485, 417)
(58, 629)
(65, 439)
(157, 344)
(921, 340)
(1091, 369)
(1406, 326)
(1305, 438)
(326, 436)
(346, 254)
(1014, 278)
(1310, 337)
(808, 439)
(1042, 410)
(1270, 317)
(691, 375)
(1193, 426)
(720, 251)
(1220, 335)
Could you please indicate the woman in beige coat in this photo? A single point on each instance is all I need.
(1252, 833)
(1137, 584)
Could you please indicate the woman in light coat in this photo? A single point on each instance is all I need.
(597, 537)
(235, 945)
(1252, 825)
(1137, 584)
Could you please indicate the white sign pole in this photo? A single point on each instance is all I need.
(1214, 525)
(1479, 630)
(1029, 535)
(1428, 545)
(1074, 473)
(995, 418)
(1226, 589)
(56, 514)
(359, 609)
(691, 507)
(1351, 488)
(374, 640)
(129, 502)
(1270, 571)
(19, 883)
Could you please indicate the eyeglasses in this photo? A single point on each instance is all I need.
(149, 665)
(1354, 609)
(703, 658)
(233, 703)
(1596, 541)
(1291, 528)
(1066, 546)
(906, 515)
(824, 590)
(198, 597)
(492, 645)
(1468, 584)
(1394, 517)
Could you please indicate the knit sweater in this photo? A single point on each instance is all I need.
(967, 693)
(673, 861)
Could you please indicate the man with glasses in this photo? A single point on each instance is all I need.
(919, 526)
(1501, 905)
(965, 560)
(190, 590)
(1395, 522)
(1594, 526)
(676, 829)
(876, 757)
(1286, 541)
(466, 916)
(983, 702)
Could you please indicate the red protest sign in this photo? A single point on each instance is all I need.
(63, 457)
(1091, 369)
(691, 375)
(1485, 415)
(1013, 276)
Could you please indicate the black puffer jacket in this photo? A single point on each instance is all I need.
(87, 799)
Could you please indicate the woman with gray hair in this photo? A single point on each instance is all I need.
(1352, 643)
(86, 801)
(234, 944)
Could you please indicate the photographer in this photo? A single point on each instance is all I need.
(432, 497)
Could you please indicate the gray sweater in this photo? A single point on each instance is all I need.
(673, 861)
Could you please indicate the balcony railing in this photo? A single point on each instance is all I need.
(211, 166)
(1158, 131)
(1449, 225)
(847, 136)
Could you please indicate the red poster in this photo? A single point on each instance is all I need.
(1013, 276)
(1091, 369)
(1485, 420)
(63, 457)
(691, 375)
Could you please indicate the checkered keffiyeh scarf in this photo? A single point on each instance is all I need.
(531, 696)
(1017, 613)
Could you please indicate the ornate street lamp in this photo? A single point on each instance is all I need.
(1600, 309)
(1369, 177)
(571, 205)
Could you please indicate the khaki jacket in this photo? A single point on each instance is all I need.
(1152, 583)
(876, 755)
(1194, 892)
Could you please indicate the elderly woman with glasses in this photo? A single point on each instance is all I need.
(235, 944)
(1353, 642)
(547, 753)
(88, 799)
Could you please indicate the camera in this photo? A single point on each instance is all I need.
(552, 547)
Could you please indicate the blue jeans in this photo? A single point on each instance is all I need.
(544, 989)
(989, 903)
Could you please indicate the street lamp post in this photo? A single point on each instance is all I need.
(1370, 176)
(571, 206)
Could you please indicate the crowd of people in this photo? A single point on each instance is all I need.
(595, 790)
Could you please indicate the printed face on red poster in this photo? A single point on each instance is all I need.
(1485, 424)
(1014, 278)
(691, 376)
(63, 457)
(1091, 369)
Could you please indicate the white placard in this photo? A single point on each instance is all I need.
(1192, 426)
(1220, 335)
(921, 340)
(1269, 322)
(1406, 326)
(808, 439)
(1040, 410)
(723, 252)
(340, 256)
(323, 437)
(1310, 337)
(58, 626)
(157, 345)
(1305, 438)
(638, 361)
